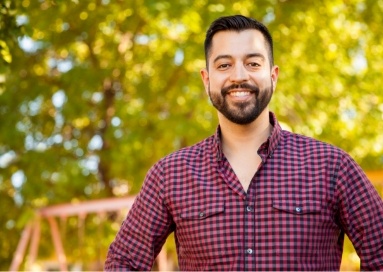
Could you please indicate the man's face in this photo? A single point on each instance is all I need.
(239, 79)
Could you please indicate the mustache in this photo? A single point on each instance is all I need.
(253, 89)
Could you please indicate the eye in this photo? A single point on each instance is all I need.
(223, 66)
(254, 64)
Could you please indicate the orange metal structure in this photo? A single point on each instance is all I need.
(31, 232)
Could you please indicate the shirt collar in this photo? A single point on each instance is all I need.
(266, 150)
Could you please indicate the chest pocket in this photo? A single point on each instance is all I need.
(202, 211)
(300, 207)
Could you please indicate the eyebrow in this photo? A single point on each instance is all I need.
(252, 55)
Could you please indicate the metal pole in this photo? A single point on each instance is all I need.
(19, 254)
(57, 243)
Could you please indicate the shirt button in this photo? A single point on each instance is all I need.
(298, 209)
(201, 214)
(249, 251)
(249, 208)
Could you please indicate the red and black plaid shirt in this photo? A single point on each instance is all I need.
(305, 196)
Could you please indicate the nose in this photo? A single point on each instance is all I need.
(239, 74)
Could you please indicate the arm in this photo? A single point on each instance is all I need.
(144, 230)
(361, 214)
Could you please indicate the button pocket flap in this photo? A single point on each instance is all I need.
(297, 207)
(199, 212)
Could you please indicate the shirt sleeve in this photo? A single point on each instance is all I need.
(361, 214)
(145, 229)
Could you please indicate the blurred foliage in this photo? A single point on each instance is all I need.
(92, 93)
(9, 30)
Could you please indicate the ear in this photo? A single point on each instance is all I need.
(274, 75)
(205, 79)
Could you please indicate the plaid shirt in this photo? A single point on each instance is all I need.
(304, 197)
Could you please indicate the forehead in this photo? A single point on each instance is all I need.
(236, 43)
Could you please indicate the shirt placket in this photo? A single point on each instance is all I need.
(249, 234)
(251, 222)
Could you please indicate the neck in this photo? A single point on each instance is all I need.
(239, 138)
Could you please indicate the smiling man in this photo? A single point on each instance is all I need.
(251, 196)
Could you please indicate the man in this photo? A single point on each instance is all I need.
(252, 196)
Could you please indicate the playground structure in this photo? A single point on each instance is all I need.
(32, 231)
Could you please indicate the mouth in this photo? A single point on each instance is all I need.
(240, 90)
(239, 93)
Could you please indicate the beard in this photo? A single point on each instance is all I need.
(242, 113)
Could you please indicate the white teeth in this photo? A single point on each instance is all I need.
(239, 94)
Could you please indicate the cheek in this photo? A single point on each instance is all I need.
(263, 80)
(212, 85)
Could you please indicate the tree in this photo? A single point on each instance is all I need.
(97, 91)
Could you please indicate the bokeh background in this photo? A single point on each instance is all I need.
(92, 93)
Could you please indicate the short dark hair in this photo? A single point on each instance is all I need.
(238, 23)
